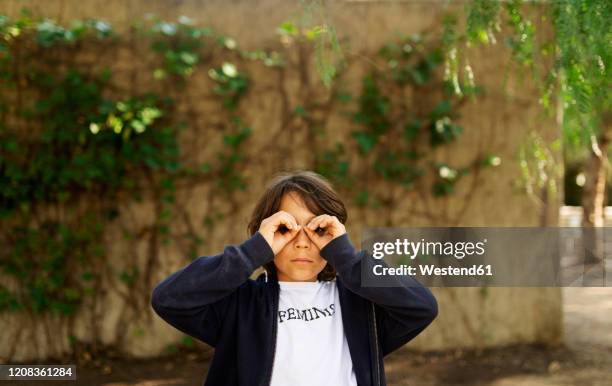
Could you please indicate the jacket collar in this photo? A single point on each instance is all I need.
(266, 276)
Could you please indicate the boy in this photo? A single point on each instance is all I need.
(306, 320)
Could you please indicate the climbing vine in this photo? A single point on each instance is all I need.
(77, 146)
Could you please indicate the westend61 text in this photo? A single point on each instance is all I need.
(429, 270)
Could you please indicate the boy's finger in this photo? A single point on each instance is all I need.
(310, 234)
(314, 223)
(327, 220)
(292, 234)
(294, 223)
(288, 221)
(323, 223)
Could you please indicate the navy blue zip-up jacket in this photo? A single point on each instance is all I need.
(214, 300)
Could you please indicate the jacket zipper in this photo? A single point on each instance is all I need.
(274, 331)
(377, 380)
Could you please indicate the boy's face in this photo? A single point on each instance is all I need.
(299, 260)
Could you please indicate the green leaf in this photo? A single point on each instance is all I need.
(411, 129)
(288, 29)
(365, 141)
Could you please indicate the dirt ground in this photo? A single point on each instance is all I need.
(585, 359)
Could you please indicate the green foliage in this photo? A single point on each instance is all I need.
(391, 132)
(442, 129)
(49, 279)
(373, 110)
(446, 178)
(459, 83)
(482, 21)
(575, 87)
(186, 343)
(46, 32)
(232, 159)
(49, 33)
(538, 166)
(86, 142)
(329, 56)
(73, 139)
(231, 84)
(581, 51)
(332, 163)
(79, 144)
(313, 26)
(522, 41)
(179, 45)
(584, 56)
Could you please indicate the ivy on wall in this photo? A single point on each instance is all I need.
(74, 147)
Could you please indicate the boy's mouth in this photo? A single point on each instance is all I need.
(301, 260)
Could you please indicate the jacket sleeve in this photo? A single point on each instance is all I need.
(404, 310)
(194, 298)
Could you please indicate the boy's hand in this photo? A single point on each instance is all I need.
(278, 230)
(323, 229)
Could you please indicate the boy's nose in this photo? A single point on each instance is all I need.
(302, 240)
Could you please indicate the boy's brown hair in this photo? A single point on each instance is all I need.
(318, 195)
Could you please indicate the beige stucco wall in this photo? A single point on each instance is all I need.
(469, 317)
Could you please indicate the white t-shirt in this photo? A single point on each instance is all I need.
(311, 348)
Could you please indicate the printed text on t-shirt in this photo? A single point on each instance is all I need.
(306, 315)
